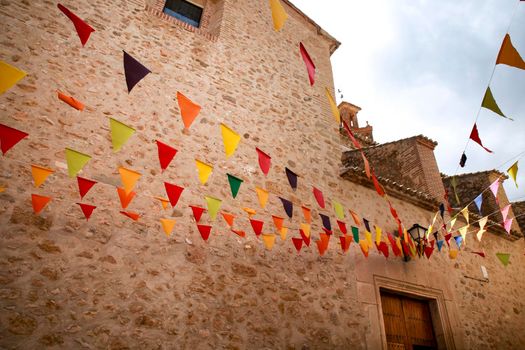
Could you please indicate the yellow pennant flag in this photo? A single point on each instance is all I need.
(333, 106)
(481, 224)
(129, 178)
(378, 235)
(167, 225)
(453, 222)
(262, 195)
(40, 174)
(464, 212)
(513, 172)
(120, 133)
(213, 206)
(368, 238)
(339, 210)
(463, 233)
(9, 76)
(279, 15)
(230, 139)
(306, 229)
(268, 240)
(205, 171)
(163, 201)
(75, 161)
(284, 232)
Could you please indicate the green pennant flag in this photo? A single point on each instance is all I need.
(120, 133)
(490, 103)
(355, 233)
(504, 258)
(235, 184)
(75, 161)
(213, 206)
(339, 210)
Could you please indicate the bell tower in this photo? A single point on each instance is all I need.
(348, 113)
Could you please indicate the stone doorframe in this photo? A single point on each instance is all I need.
(438, 308)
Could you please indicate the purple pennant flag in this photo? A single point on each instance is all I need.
(288, 207)
(326, 222)
(479, 202)
(442, 210)
(292, 178)
(134, 71)
(367, 224)
(463, 160)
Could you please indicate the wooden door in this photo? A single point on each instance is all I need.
(408, 324)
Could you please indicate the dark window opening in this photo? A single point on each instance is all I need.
(185, 11)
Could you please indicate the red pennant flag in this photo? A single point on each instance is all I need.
(319, 197)
(87, 209)
(257, 226)
(166, 154)
(393, 244)
(239, 233)
(133, 216)
(383, 248)
(228, 218)
(84, 30)
(428, 251)
(39, 202)
(379, 189)
(265, 161)
(298, 243)
(447, 238)
(482, 254)
(306, 239)
(125, 199)
(393, 212)
(204, 230)
(345, 242)
(342, 227)
(84, 185)
(10, 137)
(173, 192)
(310, 66)
(474, 136)
(197, 212)
(351, 135)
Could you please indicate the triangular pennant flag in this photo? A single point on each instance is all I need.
(504, 258)
(355, 234)
(367, 224)
(40, 174)
(188, 110)
(448, 236)
(367, 165)
(474, 136)
(87, 210)
(129, 178)
(440, 244)
(481, 224)
(249, 211)
(322, 243)
(342, 227)
(508, 224)
(167, 225)
(383, 248)
(494, 188)
(364, 248)
(257, 226)
(465, 214)
(9, 136)
(509, 55)
(205, 231)
(265, 161)
(10, 76)
(306, 229)
(479, 202)
(268, 240)
(310, 66)
(306, 238)
(453, 182)
(2, 188)
(298, 243)
(505, 212)
(428, 251)
(379, 189)
(283, 233)
(228, 218)
(319, 197)
(204, 170)
(463, 232)
(307, 214)
(235, 184)
(262, 195)
(378, 234)
(230, 139)
(133, 216)
(84, 30)
(482, 254)
(173, 192)
(453, 254)
(75, 161)
(490, 103)
(463, 160)
(354, 141)
(333, 106)
(76, 104)
(166, 154)
(326, 222)
(513, 172)
(125, 199)
(292, 178)
(163, 201)
(279, 15)
(39, 202)
(120, 133)
(442, 210)
(197, 212)
(355, 217)
(288, 207)
(393, 244)
(368, 237)
(459, 241)
(345, 242)
(278, 222)
(339, 210)
(84, 185)
(213, 206)
(133, 70)
(239, 233)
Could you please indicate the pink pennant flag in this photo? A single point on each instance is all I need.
(474, 136)
(507, 224)
(505, 212)
(494, 188)
(310, 66)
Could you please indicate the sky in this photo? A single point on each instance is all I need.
(422, 67)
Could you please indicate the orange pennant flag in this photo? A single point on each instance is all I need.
(133, 216)
(278, 222)
(367, 165)
(228, 218)
(167, 225)
(125, 199)
(71, 101)
(188, 110)
(322, 243)
(39, 202)
(307, 214)
(509, 55)
(355, 217)
(163, 201)
(40, 174)
(251, 212)
(129, 178)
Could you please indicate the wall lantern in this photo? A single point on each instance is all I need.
(417, 232)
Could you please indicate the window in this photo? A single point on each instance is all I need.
(184, 11)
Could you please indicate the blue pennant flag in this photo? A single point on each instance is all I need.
(440, 244)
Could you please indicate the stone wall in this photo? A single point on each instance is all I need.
(113, 283)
